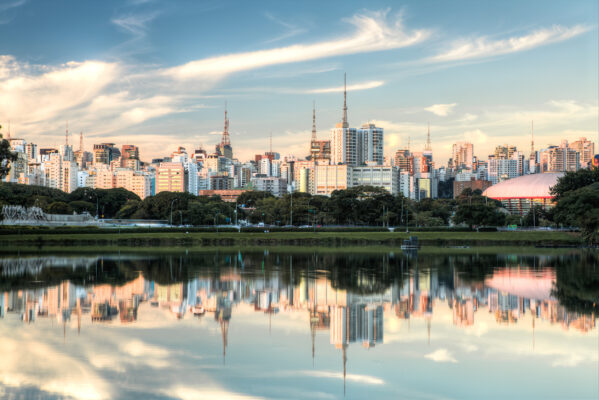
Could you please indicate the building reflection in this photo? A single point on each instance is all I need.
(509, 294)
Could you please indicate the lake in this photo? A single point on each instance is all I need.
(319, 323)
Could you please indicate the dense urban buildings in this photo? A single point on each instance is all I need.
(350, 157)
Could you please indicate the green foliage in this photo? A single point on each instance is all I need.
(108, 201)
(476, 210)
(30, 195)
(59, 207)
(580, 208)
(83, 206)
(251, 197)
(574, 180)
(6, 157)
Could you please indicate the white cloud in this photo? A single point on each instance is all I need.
(352, 88)
(290, 29)
(475, 136)
(364, 379)
(441, 355)
(373, 33)
(483, 47)
(442, 110)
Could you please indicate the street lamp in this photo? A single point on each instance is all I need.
(172, 202)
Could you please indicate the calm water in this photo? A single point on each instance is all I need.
(235, 324)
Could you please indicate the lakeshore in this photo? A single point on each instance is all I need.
(177, 238)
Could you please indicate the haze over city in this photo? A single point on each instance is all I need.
(158, 74)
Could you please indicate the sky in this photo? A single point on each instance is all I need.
(158, 74)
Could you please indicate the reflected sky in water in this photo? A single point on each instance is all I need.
(267, 324)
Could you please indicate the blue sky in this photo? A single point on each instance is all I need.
(157, 74)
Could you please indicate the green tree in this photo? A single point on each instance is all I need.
(59, 207)
(580, 208)
(6, 156)
(82, 206)
(574, 180)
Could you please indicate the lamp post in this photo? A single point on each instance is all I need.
(172, 202)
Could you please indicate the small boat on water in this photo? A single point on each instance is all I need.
(410, 244)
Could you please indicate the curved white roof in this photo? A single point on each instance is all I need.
(526, 186)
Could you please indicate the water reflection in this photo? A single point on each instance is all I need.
(352, 299)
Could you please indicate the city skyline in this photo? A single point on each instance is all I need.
(150, 82)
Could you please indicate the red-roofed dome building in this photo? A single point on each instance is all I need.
(519, 194)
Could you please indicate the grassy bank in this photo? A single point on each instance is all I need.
(193, 239)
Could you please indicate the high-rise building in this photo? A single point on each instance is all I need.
(403, 160)
(586, 148)
(60, 174)
(31, 151)
(384, 176)
(504, 151)
(170, 177)
(105, 153)
(559, 159)
(462, 155)
(370, 146)
(328, 178)
(134, 181)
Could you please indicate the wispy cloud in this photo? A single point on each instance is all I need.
(483, 47)
(7, 10)
(442, 110)
(135, 24)
(290, 29)
(373, 33)
(354, 87)
(441, 355)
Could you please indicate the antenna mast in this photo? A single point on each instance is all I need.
(66, 135)
(532, 136)
(313, 121)
(428, 147)
(81, 141)
(226, 139)
(345, 124)
(8, 133)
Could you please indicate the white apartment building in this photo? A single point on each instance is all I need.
(386, 177)
(370, 146)
(328, 178)
(344, 145)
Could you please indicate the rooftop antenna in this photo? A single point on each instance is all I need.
(226, 139)
(428, 147)
(532, 136)
(345, 124)
(408, 143)
(66, 135)
(270, 142)
(313, 121)
(81, 141)
(8, 133)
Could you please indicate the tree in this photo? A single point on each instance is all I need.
(82, 206)
(474, 210)
(574, 180)
(6, 156)
(59, 207)
(580, 208)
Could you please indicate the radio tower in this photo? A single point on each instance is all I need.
(226, 140)
(313, 121)
(8, 133)
(81, 141)
(428, 147)
(532, 138)
(345, 124)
